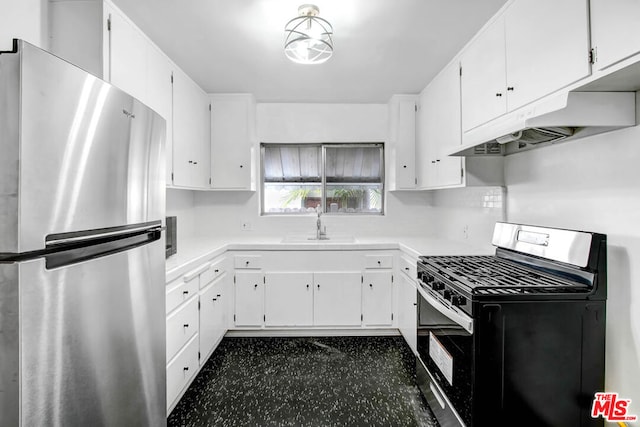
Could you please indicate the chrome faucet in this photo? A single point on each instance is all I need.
(320, 233)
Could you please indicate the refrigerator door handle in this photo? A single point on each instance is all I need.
(56, 240)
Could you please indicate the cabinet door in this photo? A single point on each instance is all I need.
(440, 105)
(337, 299)
(231, 123)
(211, 318)
(288, 299)
(377, 297)
(547, 47)
(407, 311)
(190, 133)
(614, 30)
(406, 145)
(249, 298)
(128, 50)
(159, 96)
(484, 77)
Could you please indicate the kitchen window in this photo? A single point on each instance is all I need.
(342, 179)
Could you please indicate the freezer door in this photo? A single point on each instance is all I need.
(93, 341)
(91, 156)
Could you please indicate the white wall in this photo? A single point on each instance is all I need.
(468, 214)
(181, 203)
(23, 19)
(593, 184)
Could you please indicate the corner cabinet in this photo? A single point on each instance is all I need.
(402, 142)
(191, 149)
(232, 141)
(439, 129)
(533, 48)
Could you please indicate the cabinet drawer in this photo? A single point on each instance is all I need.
(181, 325)
(181, 369)
(408, 266)
(179, 292)
(248, 261)
(378, 261)
(215, 270)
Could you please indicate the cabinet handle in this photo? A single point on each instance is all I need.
(214, 299)
(433, 161)
(186, 368)
(190, 161)
(371, 285)
(307, 286)
(255, 286)
(510, 88)
(437, 160)
(415, 303)
(318, 285)
(241, 166)
(216, 271)
(406, 268)
(218, 296)
(498, 94)
(246, 263)
(185, 292)
(186, 325)
(405, 166)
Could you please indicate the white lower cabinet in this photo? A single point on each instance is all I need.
(377, 298)
(313, 289)
(249, 302)
(212, 318)
(182, 324)
(337, 298)
(197, 307)
(288, 299)
(182, 369)
(407, 311)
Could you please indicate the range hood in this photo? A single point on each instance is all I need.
(558, 118)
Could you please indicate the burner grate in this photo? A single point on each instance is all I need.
(491, 275)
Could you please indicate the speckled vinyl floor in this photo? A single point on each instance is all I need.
(317, 381)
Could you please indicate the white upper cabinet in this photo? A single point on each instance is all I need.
(128, 55)
(532, 49)
(191, 147)
(439, 129)
(402, 138)
(614, 30)
(484, 77)
(159, 96)
(232, 141)
(547, 47)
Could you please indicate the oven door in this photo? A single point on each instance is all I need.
(445, 350)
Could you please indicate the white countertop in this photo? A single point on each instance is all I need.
(192, 252)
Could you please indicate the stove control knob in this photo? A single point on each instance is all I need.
(428, 278)
(458, 300)
(437, 286)
(447, 294)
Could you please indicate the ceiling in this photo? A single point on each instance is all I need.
(381, 47)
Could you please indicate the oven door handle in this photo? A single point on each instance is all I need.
(463, 320)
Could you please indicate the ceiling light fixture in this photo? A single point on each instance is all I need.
(309, 38)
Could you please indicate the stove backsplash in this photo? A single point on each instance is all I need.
(469, 214)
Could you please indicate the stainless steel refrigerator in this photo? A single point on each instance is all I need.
(82, 317)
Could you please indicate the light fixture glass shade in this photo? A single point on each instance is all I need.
(308, 38)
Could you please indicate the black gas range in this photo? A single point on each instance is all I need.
(515, 338)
